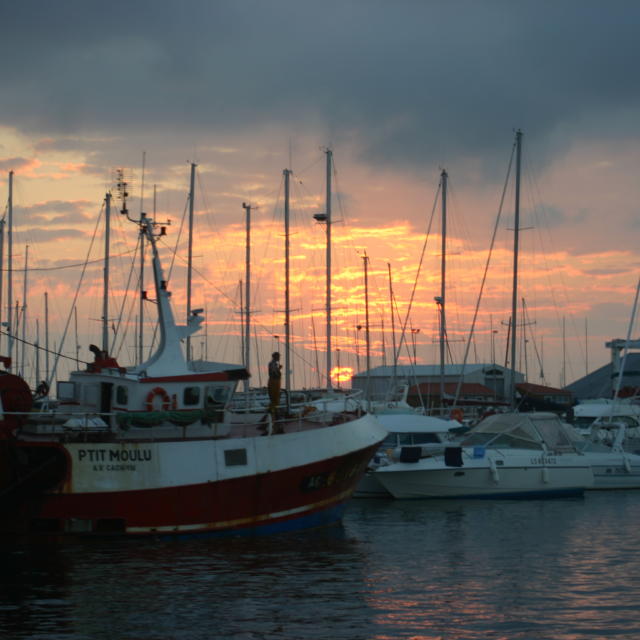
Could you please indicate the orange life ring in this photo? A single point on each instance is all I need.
(160, 392)
(457, 414)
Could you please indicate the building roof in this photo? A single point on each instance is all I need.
(527, 388)
(601, 384)
(412, 371)
(450, 389)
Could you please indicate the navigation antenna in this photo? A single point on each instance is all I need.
(122, 191)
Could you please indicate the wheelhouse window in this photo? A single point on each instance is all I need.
(191, 396)
(90, 395)
(424, 438)
(217, 396)
(66, 391)
(390, 441)
(122, 395)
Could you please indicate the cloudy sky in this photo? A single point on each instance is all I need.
(398, 90)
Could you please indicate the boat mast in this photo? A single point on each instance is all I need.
(10, 273)
(586, 345)
(444, 176)
(564, 353)
(2, 223)
(105, 288)
(142, 297)
(75, 324)
(393, 327)
(36, 375)
(365, 259)
(46, 337)
(190, 251)
(247, 303)
(24, 314)
(241, 320)
(142, 245)
(168, 359)
(287, 328)
(328, 301)
(632, 321)
(514, 298)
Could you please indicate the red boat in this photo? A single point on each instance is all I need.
(152, 450)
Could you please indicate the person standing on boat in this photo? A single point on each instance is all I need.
(275, 376)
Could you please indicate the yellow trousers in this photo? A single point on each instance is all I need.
(274, 394)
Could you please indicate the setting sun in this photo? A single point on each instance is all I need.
(341, 374)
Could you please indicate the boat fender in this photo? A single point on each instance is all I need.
(495, 475)
(545, 475)
(410, 454)
(161, 393)
(453, 456)
(627, 465)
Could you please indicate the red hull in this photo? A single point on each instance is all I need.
(254, 504)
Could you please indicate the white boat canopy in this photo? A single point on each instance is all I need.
(524, 430)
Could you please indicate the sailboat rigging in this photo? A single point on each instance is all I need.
(152, 449)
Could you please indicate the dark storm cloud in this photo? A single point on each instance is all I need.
(409, 81)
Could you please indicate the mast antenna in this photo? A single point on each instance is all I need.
(122, 191)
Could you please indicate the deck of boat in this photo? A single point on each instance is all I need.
(46, 430)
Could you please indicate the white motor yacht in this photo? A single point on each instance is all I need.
(607, 414)
(613, 466)
(505, 455)
(405, 430)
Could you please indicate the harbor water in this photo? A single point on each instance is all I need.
(540, 569)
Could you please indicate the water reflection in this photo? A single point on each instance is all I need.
(303, 584)
(503, 569)
(560, 569)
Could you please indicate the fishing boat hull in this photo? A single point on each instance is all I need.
(230, 486)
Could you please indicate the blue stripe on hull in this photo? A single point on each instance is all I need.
(323, 518)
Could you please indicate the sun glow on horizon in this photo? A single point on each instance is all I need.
(341, 374)
(56, 221)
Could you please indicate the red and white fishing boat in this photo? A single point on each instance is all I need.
(150, 450)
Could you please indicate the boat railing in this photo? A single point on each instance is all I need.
(54, 422)
(299, 404)
(51, 421)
